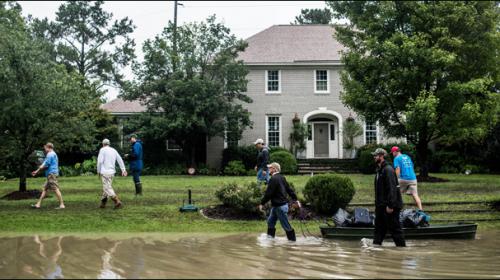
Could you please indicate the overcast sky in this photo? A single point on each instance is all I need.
(244, 18)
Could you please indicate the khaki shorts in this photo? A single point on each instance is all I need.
(408, 186)
(107, 186)
(51, 183)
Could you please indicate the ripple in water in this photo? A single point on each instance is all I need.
(244, 256)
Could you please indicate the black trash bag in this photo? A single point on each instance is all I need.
(410, 218)
(342, 218)
(362, 218)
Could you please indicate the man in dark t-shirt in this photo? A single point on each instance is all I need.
(262, 161)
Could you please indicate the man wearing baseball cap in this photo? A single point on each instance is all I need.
(277, 192)
(106, 169)
(262, 161)
(388, 202)
(406, 175)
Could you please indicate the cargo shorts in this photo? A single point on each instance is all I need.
(51, 183)
(408, 186)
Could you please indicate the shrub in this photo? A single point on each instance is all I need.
(277, 149)
(68, 171)
(447, 162)
(204, 169)
(244, 198)
(328, 192)
(170, 169)
(366, 163)
(286, 160)
(87, 167)
(235, 168)
(246, 154)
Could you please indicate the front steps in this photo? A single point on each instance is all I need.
(317, 166)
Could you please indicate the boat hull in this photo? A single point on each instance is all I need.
(448, 231)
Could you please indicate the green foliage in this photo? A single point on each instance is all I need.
(246, 154)
(422, 68)
(351, 130)
(366, 164)
(39, 100)
(244, 198)
(286, 160)
(165, 169)
(327, 193)
(314, 16)
(204, 169)
(298, 137)
(235, 168)
(68, 171)
(195, 92)
(86, 40)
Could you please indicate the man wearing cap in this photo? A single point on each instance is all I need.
(406, 175)
(277, 192)
(136, 164)
(262, 161)
(388, 202)
(106, 162)
(51, 167)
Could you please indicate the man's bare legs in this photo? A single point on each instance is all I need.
(417, 200)
(59, 197)
(42, 196)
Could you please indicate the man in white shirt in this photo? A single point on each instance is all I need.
(106, 162)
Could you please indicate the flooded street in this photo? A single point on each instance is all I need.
(243, 256)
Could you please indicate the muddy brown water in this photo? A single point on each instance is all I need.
(243, 256)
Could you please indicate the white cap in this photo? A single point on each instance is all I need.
(259, 141)
(105, 142)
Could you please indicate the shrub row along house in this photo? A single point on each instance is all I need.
(293, 73)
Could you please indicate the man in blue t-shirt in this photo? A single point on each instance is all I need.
(406, 175)
(51, 167)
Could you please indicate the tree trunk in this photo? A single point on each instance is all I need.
(423, 158)
(22, 175)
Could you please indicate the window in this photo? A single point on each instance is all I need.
(273, 131)
(321, 81)
(371, 133)
(332, 132)
(273, 84)
(173, 146)
(231, 133)
(309, 132)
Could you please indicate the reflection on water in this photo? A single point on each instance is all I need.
(243, 256)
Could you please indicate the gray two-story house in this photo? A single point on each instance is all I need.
(293, 72)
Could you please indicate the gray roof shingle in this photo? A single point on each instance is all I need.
(285, 44)
(119, 106)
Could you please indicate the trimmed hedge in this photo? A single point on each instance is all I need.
(328, 192)
(244, 198)
(235, 168)
(246, 154)
(286, 160)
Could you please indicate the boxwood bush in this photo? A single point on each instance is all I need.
(244, 198)
(366, 163)
(286, 160)
(328, 192)
(235, 168)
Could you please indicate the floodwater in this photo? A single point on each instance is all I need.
(243, 256)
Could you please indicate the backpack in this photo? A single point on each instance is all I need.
(342, 218)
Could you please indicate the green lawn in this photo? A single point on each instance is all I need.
(157, 210)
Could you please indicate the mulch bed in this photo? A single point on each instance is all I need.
(17, 195)
(430, 179)
(222, 212)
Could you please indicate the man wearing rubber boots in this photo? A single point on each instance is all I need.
(136, 163)
(106, 162)
(388, 202)
(277, 191)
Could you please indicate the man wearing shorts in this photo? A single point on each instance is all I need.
(406, 175)
(106, 162)
(51, 167)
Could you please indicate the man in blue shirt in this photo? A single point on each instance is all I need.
(51, 167)
(136, 163)
(406, 175)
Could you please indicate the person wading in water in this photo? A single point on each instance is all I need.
(277, 191)
(388, 202)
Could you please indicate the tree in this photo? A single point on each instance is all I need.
(202, 94)
(426, 70)
(39, 100)
(84, 38)
(298, 136)
(314, 16)
(351, 130)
